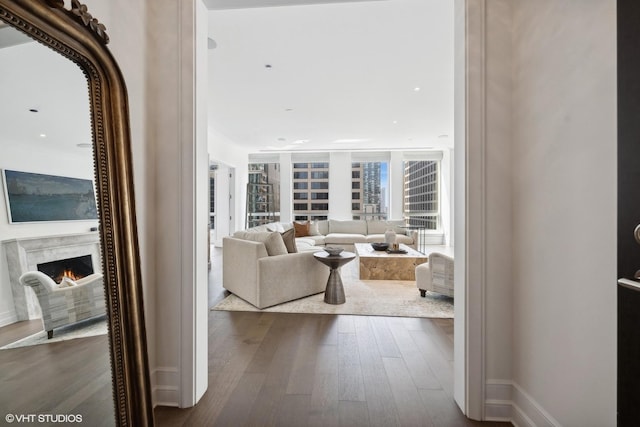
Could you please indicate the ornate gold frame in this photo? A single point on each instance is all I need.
(75, 34)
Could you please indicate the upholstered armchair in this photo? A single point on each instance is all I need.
(436, 275)
(65, 305)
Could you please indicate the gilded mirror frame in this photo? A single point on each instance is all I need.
(75, 34)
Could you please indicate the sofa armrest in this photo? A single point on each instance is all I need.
(287, 277)
(239, 266)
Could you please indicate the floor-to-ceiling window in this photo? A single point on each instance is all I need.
(263, 193)
(369, 189)
(310, 190)
(421, 202)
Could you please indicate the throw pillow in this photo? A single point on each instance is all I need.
(289, 238)
(66, 283)
(302, 228)
(272, 240)
(313, 229)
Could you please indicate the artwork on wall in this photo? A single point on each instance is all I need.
(33, 197)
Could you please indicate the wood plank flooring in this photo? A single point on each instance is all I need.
(274, 369)
(265, 369)
(66, 378)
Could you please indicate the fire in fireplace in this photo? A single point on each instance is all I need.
(73, 268)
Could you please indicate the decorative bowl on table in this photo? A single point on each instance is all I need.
(333, 250)
(380, 246)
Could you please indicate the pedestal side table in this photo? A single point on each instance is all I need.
(334, 293)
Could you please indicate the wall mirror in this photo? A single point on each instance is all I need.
(99, 126)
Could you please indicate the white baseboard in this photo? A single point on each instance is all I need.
(164, 386)
(8, 317)
(507, 401)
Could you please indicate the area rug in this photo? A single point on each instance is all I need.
(84, 329)
(363, 297)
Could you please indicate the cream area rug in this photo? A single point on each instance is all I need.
(83, 329)
(363, 297)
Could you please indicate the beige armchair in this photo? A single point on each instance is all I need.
(263, 280)
(63, 306)
(436, 275)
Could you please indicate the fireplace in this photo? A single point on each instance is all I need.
(30, 253)
(73, 268)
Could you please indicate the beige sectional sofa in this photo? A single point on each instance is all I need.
(258, 267)
(261, 279)
(346, 233)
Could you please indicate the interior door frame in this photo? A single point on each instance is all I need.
(469, 322)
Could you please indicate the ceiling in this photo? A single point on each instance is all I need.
(342, 76)
(332, 75)
(35, 77)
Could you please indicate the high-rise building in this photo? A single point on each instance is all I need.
(421, 194)
(367, 198)
(263, 196)
(310, 191)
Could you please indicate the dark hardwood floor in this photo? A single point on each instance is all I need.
(62, 378)
(265, 369)
(18, 330)
(273, 369)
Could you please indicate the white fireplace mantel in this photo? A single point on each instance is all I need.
(24, 254)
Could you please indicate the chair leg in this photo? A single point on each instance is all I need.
(50, 334)
(423, 293)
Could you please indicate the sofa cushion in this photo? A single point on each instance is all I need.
(318, 240)
(67, 282)
(273, 242)
(376, 226)
(344, 238)
(289, 238)
(313, 229)
(307, 244)
(349, 226)
(275, 226)
(323, 227)
(400, 238)
(302, 228)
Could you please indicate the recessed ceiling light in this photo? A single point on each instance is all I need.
(33, 110)
(417, 89)
(43, 135)
(267, 66)
(288, 109)
(83, 145)
(395, 122)
(282, 139)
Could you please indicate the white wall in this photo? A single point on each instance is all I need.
(227, 152)
(340, 185)
(447, 171)
(497, 184)
(564, 201)
(126, 23)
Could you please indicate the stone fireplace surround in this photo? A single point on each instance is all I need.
(24, 254)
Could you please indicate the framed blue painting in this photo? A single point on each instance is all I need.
(34, 197)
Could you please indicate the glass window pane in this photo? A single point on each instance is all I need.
(263, 193)
(310, 176)
(421, 183)
(372, 181)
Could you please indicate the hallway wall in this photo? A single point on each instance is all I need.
(564, 201)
